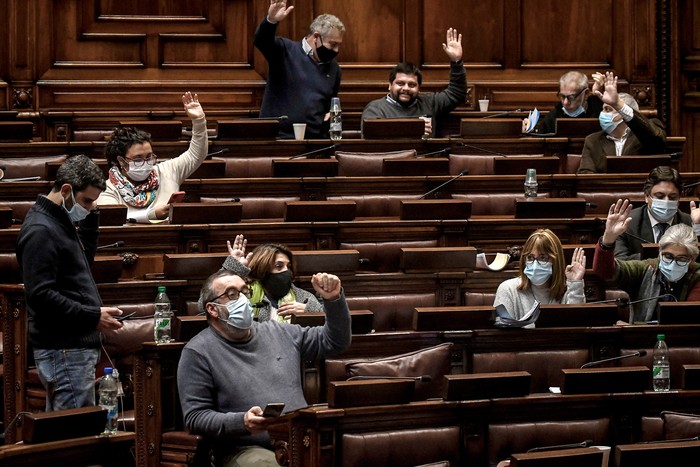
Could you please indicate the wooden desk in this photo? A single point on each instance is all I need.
(112, 451)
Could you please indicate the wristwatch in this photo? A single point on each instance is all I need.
(604, 246)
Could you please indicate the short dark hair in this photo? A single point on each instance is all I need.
(80, 172)
(121, 140)
(207, 294)
(406, 68)
(263, 258)
(660, 174)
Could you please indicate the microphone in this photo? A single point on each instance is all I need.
(558, 447)
(676, 155)
(332, 146)
(463, 172)
(216, 153)
(481, 149)
(115, 244)
(503, 114)
(279, 117)
(689, 185)
(591, 205)
(638, 353)
(445, 151)
(421, 378)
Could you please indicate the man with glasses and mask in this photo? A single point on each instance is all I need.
(672, 276)
(575, 100)
(303, 75)
(55, 248)
(649, 222)
(137, 181)
(236, 366)
(625, 131)
(404, 98)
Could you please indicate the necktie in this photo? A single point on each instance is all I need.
(662, 228)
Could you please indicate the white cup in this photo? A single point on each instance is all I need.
(299, 130)
(606, 454)
(484, 105)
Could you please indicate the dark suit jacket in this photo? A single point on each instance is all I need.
(646, 137)
(628, 247)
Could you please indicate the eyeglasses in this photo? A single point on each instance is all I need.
(138, 163)
(233, 294)
(542, 259)
(668, 258)
(570, 97)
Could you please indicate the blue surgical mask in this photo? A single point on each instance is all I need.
(607, 122)
(77, 212)
(672, 271)
(139, 174)
(663, 210)
(240, 313)
(537, 273)
(575, 113)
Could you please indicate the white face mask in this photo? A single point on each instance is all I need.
(663, 210)
(139, 174)
(77, 212)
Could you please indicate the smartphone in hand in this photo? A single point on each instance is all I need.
(273, 410)
(177, 197)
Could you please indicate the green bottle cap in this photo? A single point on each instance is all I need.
(161, 288)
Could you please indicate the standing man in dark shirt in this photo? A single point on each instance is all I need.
(55, 248)
(303, 76)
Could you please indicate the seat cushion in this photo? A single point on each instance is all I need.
(367, 164)
(433, 362)
(680, 425)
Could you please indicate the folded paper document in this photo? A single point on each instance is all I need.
(505, 320)
(533, 117)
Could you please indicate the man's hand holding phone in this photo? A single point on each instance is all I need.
(177, 197)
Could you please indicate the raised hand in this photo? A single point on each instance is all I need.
(278, 10)
(694, 212)
(453, 45)
(326, 285)
(617, 222)
(576, 270)
(610, 95)
(237, 250)
(192, 105)
(598, 83)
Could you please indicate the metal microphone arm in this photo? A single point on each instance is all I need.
(421, 378)
(443, 185)
(332, 146)
(503, 114)
(638, 353)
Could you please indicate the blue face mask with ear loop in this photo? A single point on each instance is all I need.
(240, 313)
(607, 123)
(672, 271)
(537, 273)
(77, 212)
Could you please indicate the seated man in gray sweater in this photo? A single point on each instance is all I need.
(404, 99)
(236, 366)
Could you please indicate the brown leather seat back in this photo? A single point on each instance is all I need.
(505, 439)
(247, 167)
(367, 164)
(544, 366)
(402, 448)
(491, 204)
(479, 298)
(30, 166)
(392, 312)
(601, 201)
(679, 356)
(378, 205)
(383, 256)
(9, 269)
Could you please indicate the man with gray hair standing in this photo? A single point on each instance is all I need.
(303, 76)
(625, 131)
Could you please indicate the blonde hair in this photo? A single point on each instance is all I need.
(547, 242)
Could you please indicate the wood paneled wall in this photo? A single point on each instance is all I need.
(85, 56)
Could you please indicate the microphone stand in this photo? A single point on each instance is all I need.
(638, 353)
(502, 114)
(443, 185)
(332, 146)
(481, 149)
(434, 153)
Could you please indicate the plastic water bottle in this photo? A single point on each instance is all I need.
(661, 369)
(162, 317)
(107, 391)
(336, 120)
(531, 184)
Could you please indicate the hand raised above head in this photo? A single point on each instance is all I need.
(326, 285)
(278, 10)
(617, 221)
(610, 96)
(453, 45)
(577, 269)
(237, 250)
(192, 105)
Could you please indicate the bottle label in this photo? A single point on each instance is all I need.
(661, 372)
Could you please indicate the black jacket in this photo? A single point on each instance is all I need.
(63, 303)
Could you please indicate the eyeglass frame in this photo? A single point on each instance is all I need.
(227, 292)
(681, 263)
(139, 162)
(529, 259)
(570, 97)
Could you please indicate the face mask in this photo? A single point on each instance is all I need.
(663, 210)
(537, 273)
(278, 285)
(325, 54)
(77, 212)
(139, 174)
(240, 313)
(672, 271)
(607, 123)
(575, 113)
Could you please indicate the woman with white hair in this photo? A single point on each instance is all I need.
(673, 275)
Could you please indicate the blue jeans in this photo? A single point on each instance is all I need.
(68, 375)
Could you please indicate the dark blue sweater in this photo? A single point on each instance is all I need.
(297, 86)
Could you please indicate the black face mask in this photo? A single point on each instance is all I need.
(278, 285)
(325, 54)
